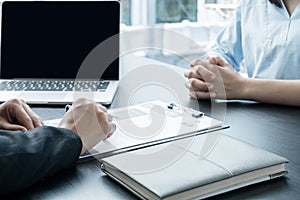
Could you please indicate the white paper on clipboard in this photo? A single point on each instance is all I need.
(148, 124)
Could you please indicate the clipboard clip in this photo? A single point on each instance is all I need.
(194, 113)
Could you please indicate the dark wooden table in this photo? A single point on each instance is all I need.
(272, 127)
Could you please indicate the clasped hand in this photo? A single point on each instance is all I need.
(214, 79)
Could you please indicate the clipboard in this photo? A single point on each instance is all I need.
(148, 124)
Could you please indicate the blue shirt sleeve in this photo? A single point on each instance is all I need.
(228, 44)
(26, 157)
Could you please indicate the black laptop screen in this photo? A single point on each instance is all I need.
(51, 39)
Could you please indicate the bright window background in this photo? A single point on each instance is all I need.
(149, 12)
(170, 11)
(200, 20)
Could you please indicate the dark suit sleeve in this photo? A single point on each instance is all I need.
(26, 157)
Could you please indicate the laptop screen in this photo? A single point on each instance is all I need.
(43, 39)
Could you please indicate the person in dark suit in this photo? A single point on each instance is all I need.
(30, 151)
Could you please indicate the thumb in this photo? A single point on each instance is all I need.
(217, 61)
(213, 60)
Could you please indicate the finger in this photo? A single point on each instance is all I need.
(192, 74)
(36, 120)
(210, 66)
(103, 108)
(23, 118)
(190, 87)
(108, 136)
(213, 60)
(111, 131)
(195, 62)
(13, 127)
(113, 128)
(109, 117)
(187, 85)
(103, 122)
(202, 95)
(217, 61)
(205, 73)
(200, 85)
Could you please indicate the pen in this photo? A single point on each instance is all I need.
(67, 107)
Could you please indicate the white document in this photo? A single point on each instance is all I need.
(151, 123)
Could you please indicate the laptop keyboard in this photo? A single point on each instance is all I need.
(85, 86)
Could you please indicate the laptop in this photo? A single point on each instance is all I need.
(45, 43)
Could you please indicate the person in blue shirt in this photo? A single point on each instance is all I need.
(265, 35)
(30, 151)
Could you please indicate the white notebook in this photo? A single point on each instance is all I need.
(230, 164)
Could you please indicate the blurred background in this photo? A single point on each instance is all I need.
(199, 20)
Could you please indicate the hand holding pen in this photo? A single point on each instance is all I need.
(90, 121)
